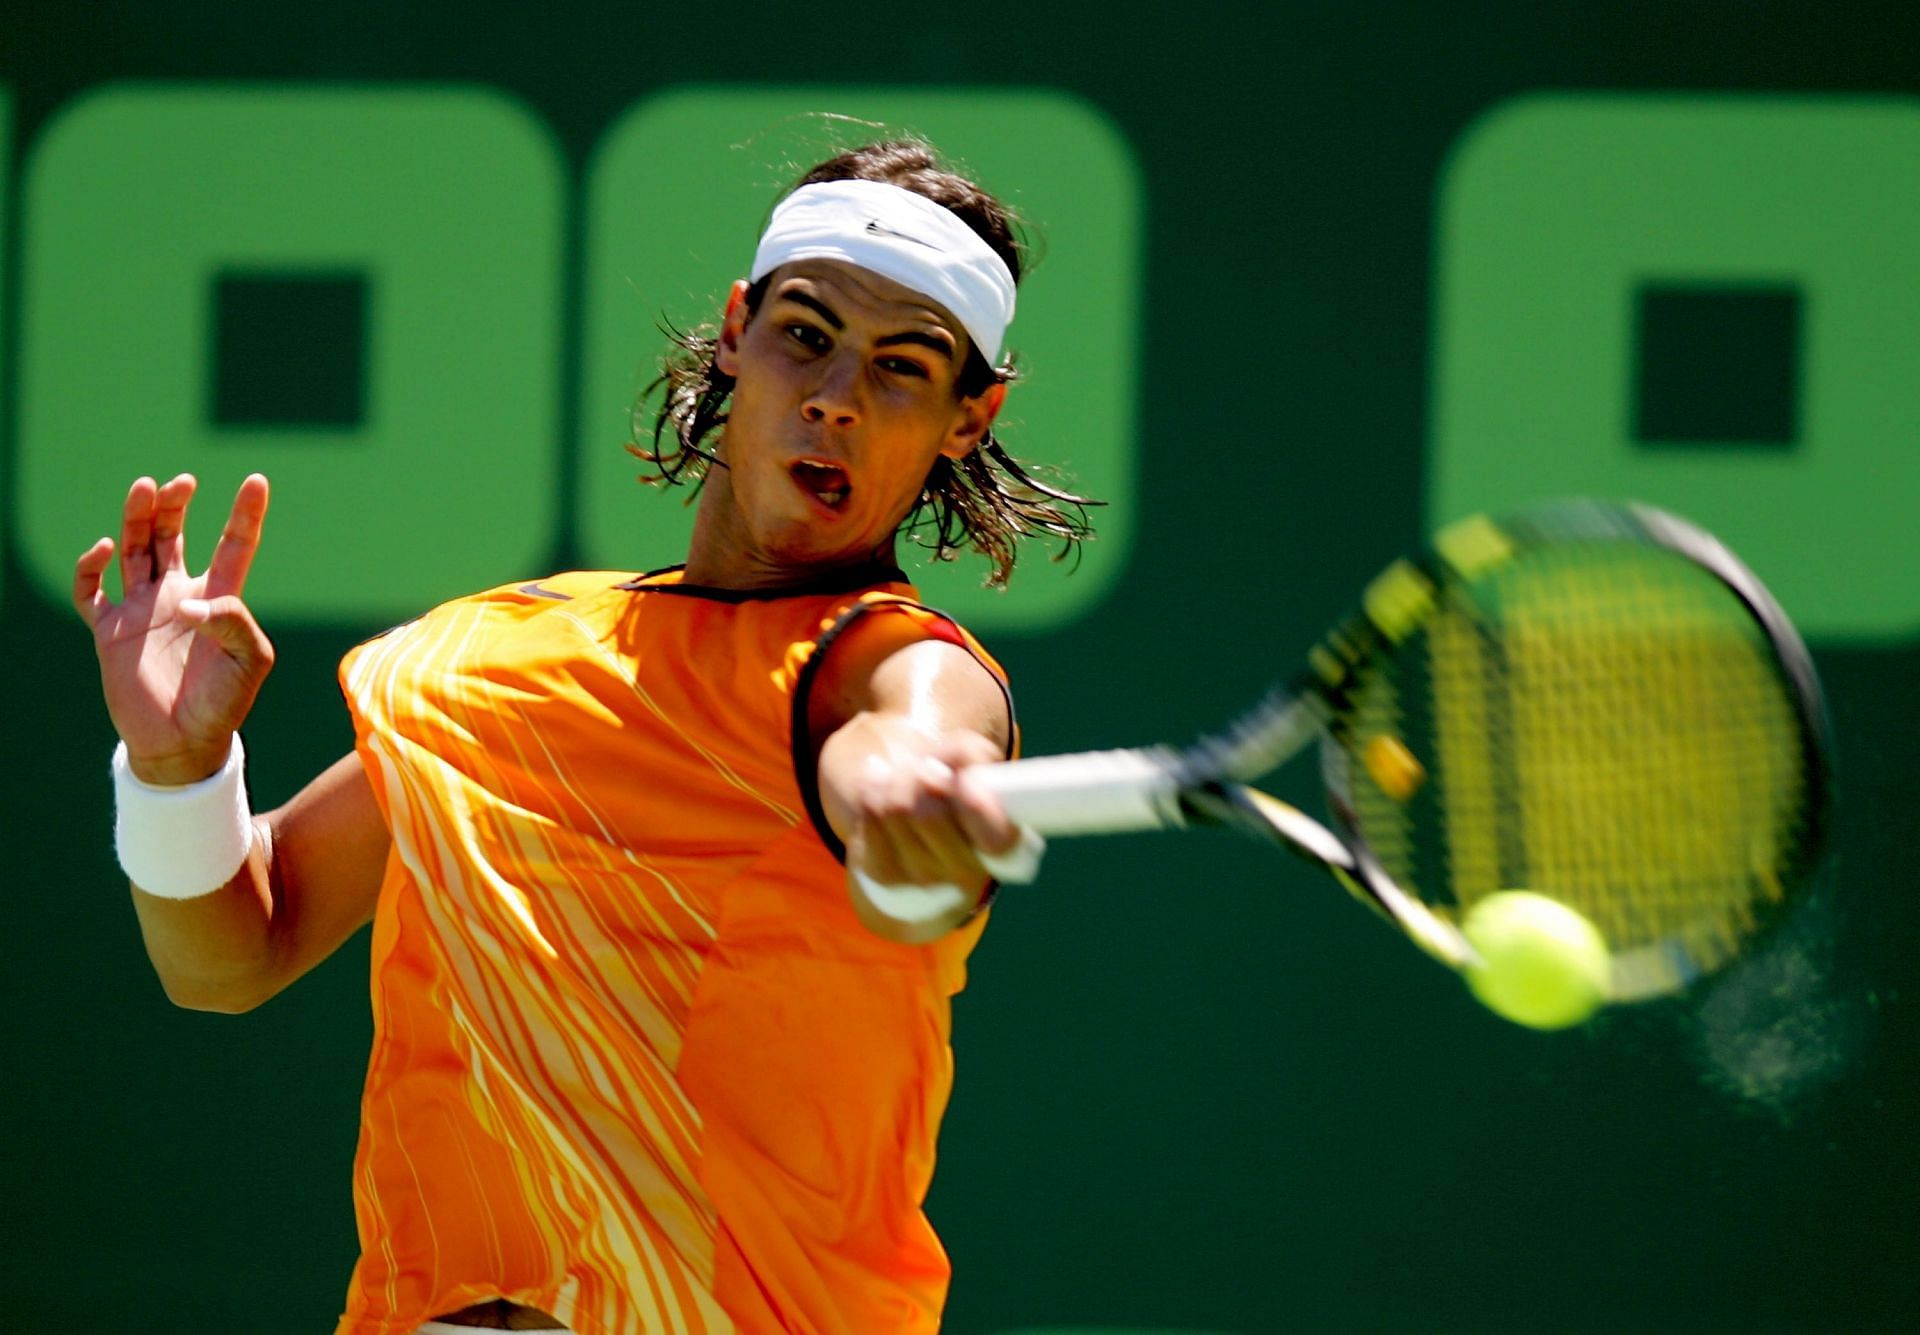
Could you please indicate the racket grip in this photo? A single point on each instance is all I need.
(1089, 792)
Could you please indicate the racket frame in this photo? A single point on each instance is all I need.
(1205, 782)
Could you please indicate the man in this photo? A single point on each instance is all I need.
(647, 1056)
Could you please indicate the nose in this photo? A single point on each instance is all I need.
(834, 399)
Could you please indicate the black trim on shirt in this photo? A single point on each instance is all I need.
(806, 767)
(845, 581)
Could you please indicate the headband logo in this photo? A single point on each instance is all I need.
(874, 227)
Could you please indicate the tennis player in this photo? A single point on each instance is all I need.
(671, 876)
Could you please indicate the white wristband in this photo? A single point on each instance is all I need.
(918, 904)
(181, 843)
(914, 905)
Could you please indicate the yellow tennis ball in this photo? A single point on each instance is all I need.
(1542, 964)
(1394, 768)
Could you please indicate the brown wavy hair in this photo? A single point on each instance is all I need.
(986, 501)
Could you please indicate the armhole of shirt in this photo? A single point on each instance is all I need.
(806, 769)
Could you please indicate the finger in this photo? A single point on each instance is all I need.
(240, 539)
(981, 817)
(136, 534)
(1010, 852)
(924, 856)
(978, 812)
(938, 820)
(170, 523)
(916, 821)
(228, 623)
(889, 803)
(89, 599)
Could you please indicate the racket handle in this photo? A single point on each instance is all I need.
(1089, 792)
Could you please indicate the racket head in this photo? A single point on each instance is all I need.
(1594, 701)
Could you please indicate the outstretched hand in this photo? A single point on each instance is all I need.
(181, 657)
(918, 822)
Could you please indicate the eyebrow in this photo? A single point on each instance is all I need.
(943, 346)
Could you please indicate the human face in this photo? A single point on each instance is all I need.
(844, 396)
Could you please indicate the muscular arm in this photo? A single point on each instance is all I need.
(309, 883)
(903, 718)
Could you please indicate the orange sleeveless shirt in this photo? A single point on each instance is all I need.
(635, 1061)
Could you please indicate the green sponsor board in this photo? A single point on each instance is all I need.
(679, 189)
(1558, 213)
(441, 206)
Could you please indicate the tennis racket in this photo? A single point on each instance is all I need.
(1596, 702)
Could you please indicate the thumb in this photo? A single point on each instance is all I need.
(228, 623)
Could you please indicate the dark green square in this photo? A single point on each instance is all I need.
(1717, 365)
(289, 349)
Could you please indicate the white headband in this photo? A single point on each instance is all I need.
(899, 235)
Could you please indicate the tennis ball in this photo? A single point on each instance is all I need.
(1393, 767)
(1542, 964)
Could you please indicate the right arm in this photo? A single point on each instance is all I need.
(181, 660)
(309, 884)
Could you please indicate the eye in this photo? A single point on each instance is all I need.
(904, 366)
(807, 336)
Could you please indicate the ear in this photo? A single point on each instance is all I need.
(972, 422)
(733, 324)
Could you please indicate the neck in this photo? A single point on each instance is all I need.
(723, 555)
(754, 576)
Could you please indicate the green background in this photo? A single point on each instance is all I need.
(1353, 282)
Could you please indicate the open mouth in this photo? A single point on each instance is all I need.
(826, 482)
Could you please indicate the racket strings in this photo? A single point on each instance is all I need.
(1651, 743)
(1604, 723)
